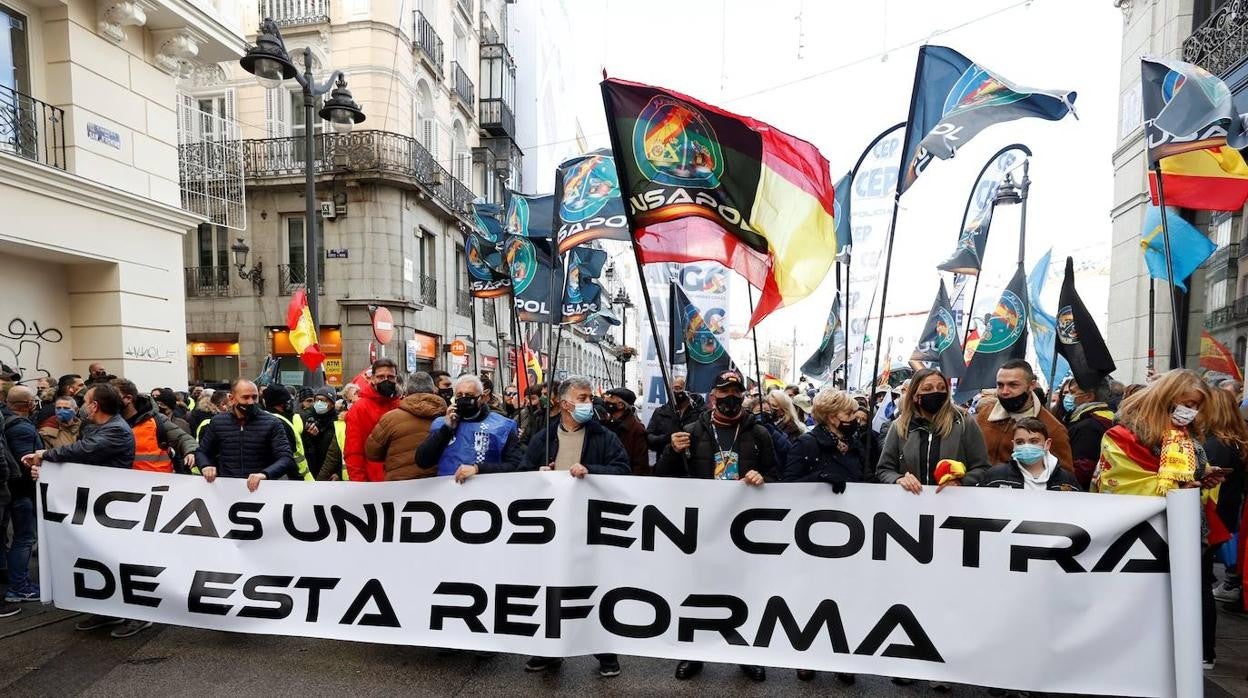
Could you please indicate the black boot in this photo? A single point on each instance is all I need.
(687, 670)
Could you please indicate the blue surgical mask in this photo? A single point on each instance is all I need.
(320, 407)
(583, 412)
(1028, 453)
(1068, 402)
(65, 414)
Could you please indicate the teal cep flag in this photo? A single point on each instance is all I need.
(1188, 247)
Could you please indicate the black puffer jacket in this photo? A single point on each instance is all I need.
(601, 454)
(817, 457)
(238, 449)
(753, 446)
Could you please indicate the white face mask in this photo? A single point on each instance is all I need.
(1182, 415)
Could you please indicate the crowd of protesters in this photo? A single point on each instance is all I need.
(1175, 432)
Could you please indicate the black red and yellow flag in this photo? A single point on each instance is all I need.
(703, 184)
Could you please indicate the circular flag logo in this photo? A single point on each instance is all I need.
(522, 262)
(944, 330)
(700, 342)
(587, 187)
(1005, 325)
(574, 294)
(979, 88)
(486, 231)
(1066, 332)
(518, 216)
(478, 259)
(675, 145)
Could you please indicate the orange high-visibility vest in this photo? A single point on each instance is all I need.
(148, 454)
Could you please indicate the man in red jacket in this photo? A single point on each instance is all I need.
(377, 398)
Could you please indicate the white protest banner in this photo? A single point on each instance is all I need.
(1055, 592)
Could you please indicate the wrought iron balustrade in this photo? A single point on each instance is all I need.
(294, 276)
(31, 129)
(1220, 43)
(207, 282)
(463, 303)
(294, 13)
(427, 41)
(462, 85)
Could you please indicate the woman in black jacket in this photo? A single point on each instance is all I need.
(831, 452)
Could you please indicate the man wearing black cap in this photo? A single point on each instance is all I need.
(622, 421)
(725, 443)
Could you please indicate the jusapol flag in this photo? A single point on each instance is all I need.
(831, 352)
(1003, 336)
(954, 99)
(703, 184)
(939, 346)
(588, 201)
(705, 355)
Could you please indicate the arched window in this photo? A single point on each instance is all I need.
(461, 157)
(424, 125)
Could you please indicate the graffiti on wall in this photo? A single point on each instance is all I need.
(151, 352)
(22, 344)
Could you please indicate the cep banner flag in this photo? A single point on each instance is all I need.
(582, 296)
(1002, 337)
(954, 99)
(589, 202)
(705, 356)
(1044, 338)
(831, 352)
(1079, 340)
(968, 257)
(1189, 248)
(703, 184)
(939, 345)
(984, 587)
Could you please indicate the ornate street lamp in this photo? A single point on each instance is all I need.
(254, 275)
(269, 61)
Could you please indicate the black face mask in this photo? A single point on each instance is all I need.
(467, 407)
(249, 411)
(387, 388)
(681, 397)
(1014, 404)
(729, 406)
(848, 429)
(446, 394)
(932, 402)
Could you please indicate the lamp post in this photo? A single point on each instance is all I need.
(269, 61)
(254, 275)
(622, 299)
(1009, 194)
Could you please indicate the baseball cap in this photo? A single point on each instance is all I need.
(729, 379)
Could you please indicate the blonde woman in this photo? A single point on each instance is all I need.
(930, 428)
(780, 407)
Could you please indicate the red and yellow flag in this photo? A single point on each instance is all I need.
(1209, 179)
(303, 331)
(1214, 356)
(704, 184)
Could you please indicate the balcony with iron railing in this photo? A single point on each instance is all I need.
(429, 291)
(207, 282)
(1220, 43)
(465, 6)
(427, 42)
(366, 152)
(463, 303)
(295, 276)
(295, 13)
(31, 129)
(1222, 257)
(462, 87)
(1234, 313)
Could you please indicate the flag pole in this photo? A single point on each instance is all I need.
(970, 310)
(845, 309)
(1152, 315)
(888, 265)
(627, 195)
(472, 311)
(1177, 351)
(501, 378)
(758, 373)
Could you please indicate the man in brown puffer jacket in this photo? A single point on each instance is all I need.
(400, 431)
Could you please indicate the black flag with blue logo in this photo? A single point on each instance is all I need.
(1002, 337)
(939, 345)
(955, 98)
(705, 356)
(528, 253)
(831, 352)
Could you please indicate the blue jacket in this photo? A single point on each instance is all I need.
(491, 443)
(238, 449)
(602, 453)
(110, 444)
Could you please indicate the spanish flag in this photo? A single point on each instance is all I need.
(1209, 179)
(703, 184)
(1215, 356)
(303, 331)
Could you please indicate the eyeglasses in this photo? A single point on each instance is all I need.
(511, 394)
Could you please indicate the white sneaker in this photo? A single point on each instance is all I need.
(1208, 666)
(1222, 592)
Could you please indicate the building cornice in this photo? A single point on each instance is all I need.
(79, 191)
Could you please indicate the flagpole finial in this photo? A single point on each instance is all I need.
(604, 72)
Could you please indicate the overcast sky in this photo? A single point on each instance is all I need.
(837, 73)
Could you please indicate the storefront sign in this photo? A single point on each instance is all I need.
(458, 348)
(425, 346)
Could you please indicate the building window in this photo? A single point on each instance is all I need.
(1220, 228)
(296, 247)
(1217, 295)
(426, 254)
(297, 126)
(461, 269)
(1241, 347)
(14, 64)
(213, 242)
(219, 106)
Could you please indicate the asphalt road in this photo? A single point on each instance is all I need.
(42, 655)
